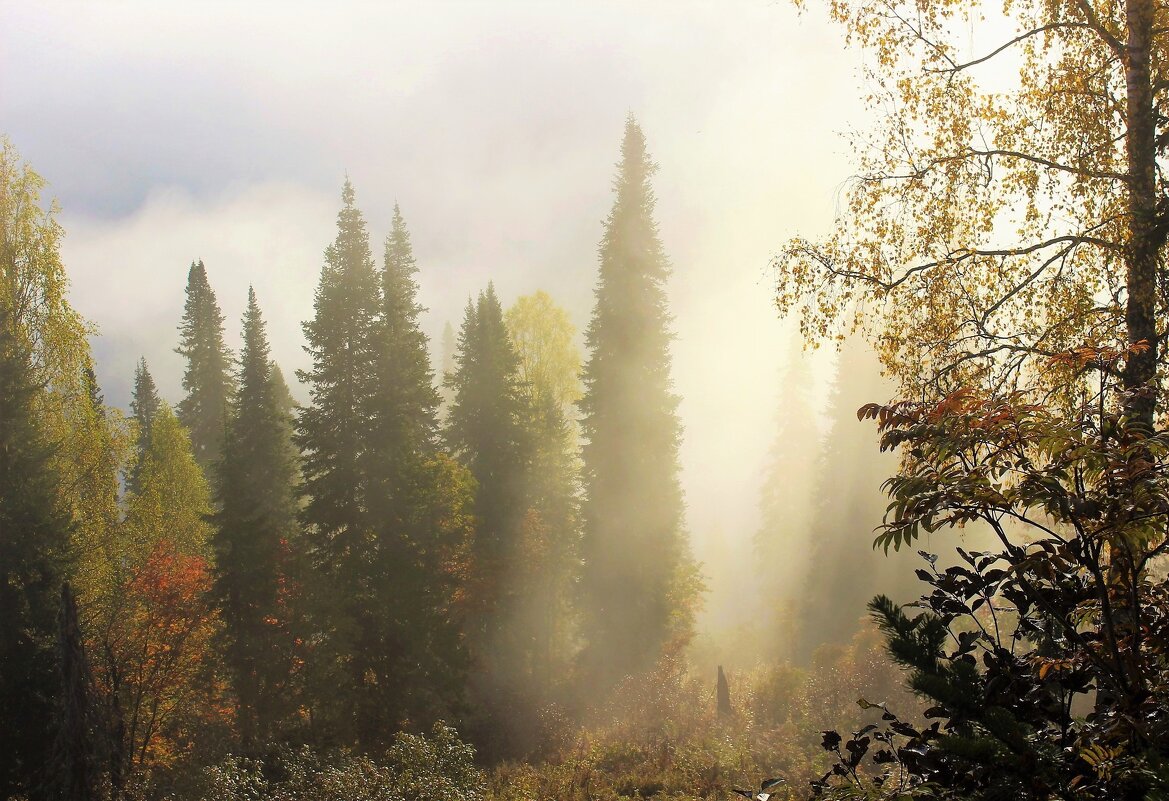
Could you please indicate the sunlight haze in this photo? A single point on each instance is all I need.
(223, 132)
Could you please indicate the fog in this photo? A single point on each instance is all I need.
(223, 133)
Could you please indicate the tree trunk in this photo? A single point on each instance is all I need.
(1145, 235)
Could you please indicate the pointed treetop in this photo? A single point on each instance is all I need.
(144, 406)
(641, 603)
(198, 287)
(145, 401)
(399, 255)
(254, 335)
(350, 250)
(469, 314)
(635, 158)
(207, 379)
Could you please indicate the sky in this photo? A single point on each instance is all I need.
(223, 131)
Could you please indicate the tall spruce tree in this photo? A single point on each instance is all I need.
(333, 437)
(410, 644)
(255, 537)
(207, 380)
(405, 400)
(385, 512)
(144, 405)
(34, 533)
(331, 431)
(635, 550)
(287, 403)
(485, 431)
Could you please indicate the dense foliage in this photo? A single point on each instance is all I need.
(385, 513)
(33, 555)
(257, 544)
(1046, 657)
(414, 768)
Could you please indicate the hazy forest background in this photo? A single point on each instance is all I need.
(529, 406)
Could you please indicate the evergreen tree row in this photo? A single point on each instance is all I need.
(343, 571)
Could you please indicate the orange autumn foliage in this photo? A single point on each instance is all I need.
(158, 662)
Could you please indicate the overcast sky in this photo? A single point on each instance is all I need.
(223, 131)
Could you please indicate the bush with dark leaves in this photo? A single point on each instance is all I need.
(1046, 660)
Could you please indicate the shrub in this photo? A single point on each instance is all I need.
(438, 767)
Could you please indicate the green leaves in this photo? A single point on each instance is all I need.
(970, 457)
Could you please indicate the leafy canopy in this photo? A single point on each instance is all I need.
(1007, 205)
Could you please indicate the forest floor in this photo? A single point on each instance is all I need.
(666, 740)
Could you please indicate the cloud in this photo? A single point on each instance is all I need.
(129, 275)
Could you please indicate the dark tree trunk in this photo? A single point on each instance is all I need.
(74, 742)
(1146, 236)
(724, 694)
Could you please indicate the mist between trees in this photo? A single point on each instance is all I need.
(235, 591)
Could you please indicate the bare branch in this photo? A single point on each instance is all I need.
(1021, 37)
(1055, 165)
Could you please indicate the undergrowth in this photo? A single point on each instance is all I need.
(658, 737)
(661, 737)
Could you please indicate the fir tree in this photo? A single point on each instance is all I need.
(333, 437)
(385, 512)
(34, 534)
(207, 379)
(410, 644)
(636, 556)
(256, 529)
(405, 401)
(485, 432)
(331, 431)
(288, 404)
(93, 389)
(144, 405)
